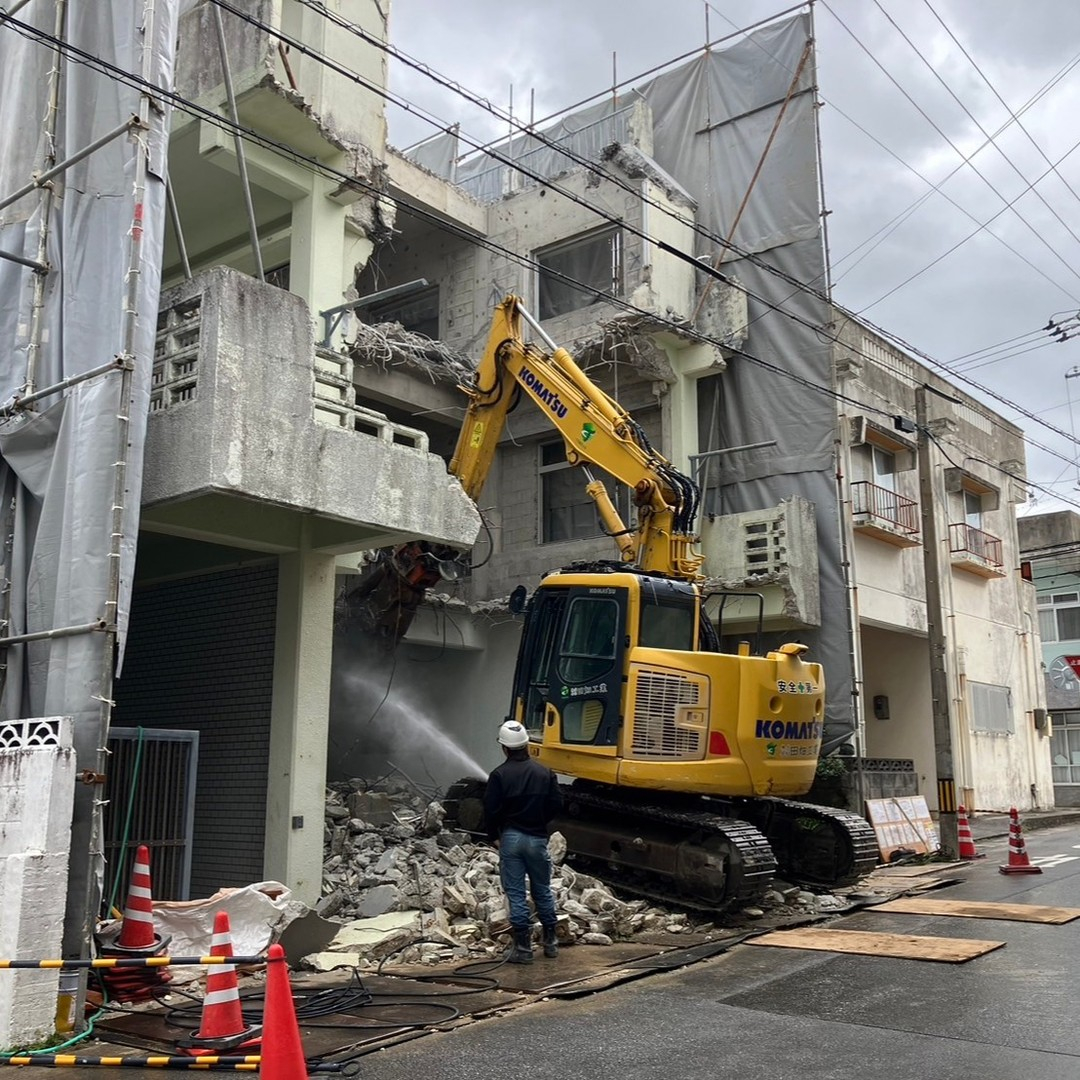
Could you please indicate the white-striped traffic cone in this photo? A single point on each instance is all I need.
(222, 1026)
(137, 930)
(1018, 857)
(963, 830)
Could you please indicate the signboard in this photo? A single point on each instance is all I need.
(1074, 663)
(903, 827)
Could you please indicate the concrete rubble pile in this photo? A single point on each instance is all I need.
(403, 885)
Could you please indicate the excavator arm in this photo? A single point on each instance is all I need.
(596, 431)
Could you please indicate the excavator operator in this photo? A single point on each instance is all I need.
(521, 799)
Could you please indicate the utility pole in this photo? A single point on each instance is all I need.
(1072, 426)
(941, 698)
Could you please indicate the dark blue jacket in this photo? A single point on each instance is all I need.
(521, 794)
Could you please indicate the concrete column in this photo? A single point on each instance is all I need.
(300, 718)
(317, 251)
(689, 364)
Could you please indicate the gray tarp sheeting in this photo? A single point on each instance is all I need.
(712, 118)
(58, 462)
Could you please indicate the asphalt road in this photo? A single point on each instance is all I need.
(783, 1014)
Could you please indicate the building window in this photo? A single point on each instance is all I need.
(972, 509)
(1059, 617)
(1065, 748)
(566, 512)
(990, 709)
(593, 261)
(418, 312)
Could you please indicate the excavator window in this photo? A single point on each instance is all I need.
(588, 647)
(666, 625)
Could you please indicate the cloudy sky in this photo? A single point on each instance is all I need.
(955, 256)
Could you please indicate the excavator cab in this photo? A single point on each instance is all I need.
(620, 680)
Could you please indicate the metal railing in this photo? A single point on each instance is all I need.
(885, 505)
(965, 539)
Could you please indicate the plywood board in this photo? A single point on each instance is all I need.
(903, 826)
(865, 943)
(917, 871)
(974, 909)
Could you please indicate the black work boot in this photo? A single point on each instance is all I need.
(521, 953)
(551, 942)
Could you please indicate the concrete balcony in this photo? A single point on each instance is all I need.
(881, 513)
(255, 440)
(975, 551)
(773, 552)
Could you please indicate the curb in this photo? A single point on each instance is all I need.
(1031, 823)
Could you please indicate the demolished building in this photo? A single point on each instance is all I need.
(324, 293)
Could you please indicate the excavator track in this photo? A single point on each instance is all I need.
(691, 857)
(818, 847)
(711, 854)
(673, 852)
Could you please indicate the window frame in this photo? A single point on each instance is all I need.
(621, 497)
(387, 307)
(613, 284)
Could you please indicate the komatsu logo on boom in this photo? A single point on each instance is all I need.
(789, 729)
(549, 397)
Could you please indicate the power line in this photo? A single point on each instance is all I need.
(800, 286)
(320, 168)
(327, 171)
(1008, 204)
(1014, 116)
(937, 75)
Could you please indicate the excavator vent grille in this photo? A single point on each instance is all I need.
(663, 727)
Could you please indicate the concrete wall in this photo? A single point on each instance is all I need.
(37, 780)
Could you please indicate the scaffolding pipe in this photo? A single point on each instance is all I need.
(174, 216)
(43, 178)
(22, 400)
(41, 268)
(56, 632)
(241, 158)
(15, 8)
(49, 124)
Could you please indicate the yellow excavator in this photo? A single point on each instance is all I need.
(683, 756)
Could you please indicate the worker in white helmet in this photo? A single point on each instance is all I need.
(521, 799)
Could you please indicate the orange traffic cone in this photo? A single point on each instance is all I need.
(136, 938)
(137, 930)
(222, 1027)
(282, 1051)
(1018, 857)
(967, 841)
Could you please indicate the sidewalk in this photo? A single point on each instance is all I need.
(986, 825)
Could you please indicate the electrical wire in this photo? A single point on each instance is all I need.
(1008, 204)
(321, 168)
(317, 6)
(1008, 160)
(934, 188)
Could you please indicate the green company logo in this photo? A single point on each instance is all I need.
(770, 749)
(587, 432)
(565, 692)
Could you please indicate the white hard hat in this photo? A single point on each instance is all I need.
(513, 735)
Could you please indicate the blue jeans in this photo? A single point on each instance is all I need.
(521, 854)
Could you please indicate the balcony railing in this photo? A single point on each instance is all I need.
(885, 506)
(974, 549)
